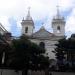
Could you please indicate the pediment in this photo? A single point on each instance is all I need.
(42, 33)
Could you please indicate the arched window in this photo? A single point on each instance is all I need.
(58, 29)
(26, 29)
(42, 45)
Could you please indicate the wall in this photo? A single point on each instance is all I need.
(9, 72)
(49, 46)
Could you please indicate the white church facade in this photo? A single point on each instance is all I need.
(42, 36)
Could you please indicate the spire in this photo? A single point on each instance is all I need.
(58, 12)
(28, 11)
(28, 15)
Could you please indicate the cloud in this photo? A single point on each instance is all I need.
(70, 22)
(41, 10)
(66, 4)
(5, 22)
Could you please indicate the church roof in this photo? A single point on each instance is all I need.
(42, 34)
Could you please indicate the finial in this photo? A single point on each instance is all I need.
(42, 23)
(23, 18)
(42, 27)
(29, 8)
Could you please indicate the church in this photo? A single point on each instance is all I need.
(43, 37)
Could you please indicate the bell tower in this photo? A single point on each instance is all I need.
(58, 24)
(27, 24)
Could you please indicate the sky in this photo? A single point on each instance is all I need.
(42, 12)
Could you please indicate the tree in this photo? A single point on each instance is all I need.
(25, 55)
(60, 52)
(65, 53)
(71, 52)
(4, 49)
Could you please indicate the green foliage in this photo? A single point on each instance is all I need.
(25, 54)
(65, 50)
(22, 54)
(60, 52)
(4, 47)
(60, 49)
